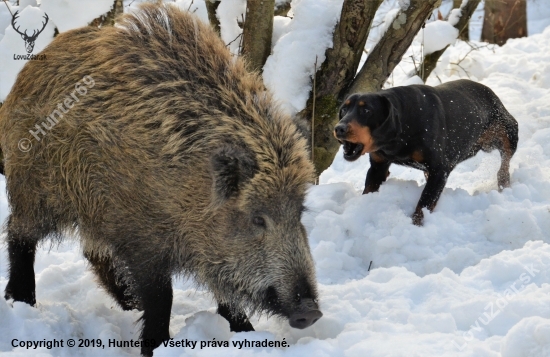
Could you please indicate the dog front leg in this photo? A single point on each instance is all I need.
(430, 195)
(378, 172)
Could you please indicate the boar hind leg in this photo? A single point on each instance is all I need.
(22, 240)
(105, 270)
(238, 322)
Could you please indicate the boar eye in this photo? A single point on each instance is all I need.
(259, 221)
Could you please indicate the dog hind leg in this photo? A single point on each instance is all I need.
(507, 148)
(502, 135)
(506, 143)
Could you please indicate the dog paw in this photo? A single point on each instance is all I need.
(418, 218)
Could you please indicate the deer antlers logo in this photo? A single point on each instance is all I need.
(29, 40)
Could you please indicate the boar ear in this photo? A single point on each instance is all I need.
(231, 167)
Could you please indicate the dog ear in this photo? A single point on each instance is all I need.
(392, 124)
(231, 167)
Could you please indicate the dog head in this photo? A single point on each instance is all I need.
(366, 122)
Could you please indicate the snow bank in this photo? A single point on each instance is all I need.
(530, 337)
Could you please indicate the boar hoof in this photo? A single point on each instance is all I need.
(238, 322)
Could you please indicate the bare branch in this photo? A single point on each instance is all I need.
(235, 39)
(430, 61)
(390, 49)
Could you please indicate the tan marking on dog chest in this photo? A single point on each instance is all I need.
(417, 156)
(377, 158)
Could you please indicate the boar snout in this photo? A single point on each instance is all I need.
(307, 314)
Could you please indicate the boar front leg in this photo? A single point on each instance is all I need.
(238, 321)
(153, 288)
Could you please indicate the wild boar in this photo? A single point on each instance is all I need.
(156, 147)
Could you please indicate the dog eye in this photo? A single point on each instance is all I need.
(259, 221)
(343, 111)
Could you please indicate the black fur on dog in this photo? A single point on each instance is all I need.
(428, 128)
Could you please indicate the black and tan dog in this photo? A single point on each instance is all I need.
(429, 128)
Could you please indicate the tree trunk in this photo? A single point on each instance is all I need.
(390, 49)
(504, 19)
(211, 7)
(430, 61)
(108, 19)
(257, 32)
(335, 74)
(464, 34)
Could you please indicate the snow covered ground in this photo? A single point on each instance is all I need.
(473, 281)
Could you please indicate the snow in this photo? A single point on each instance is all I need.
(413, 80)
(280, 28)
(537, 16)
(530, 337)
(390, 17)
(456, 14)
(473, 281)
(437, 35)
(68, 15)
(198, 8)
(230, 13)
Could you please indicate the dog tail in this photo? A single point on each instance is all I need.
(513, 133)
(510, 126)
